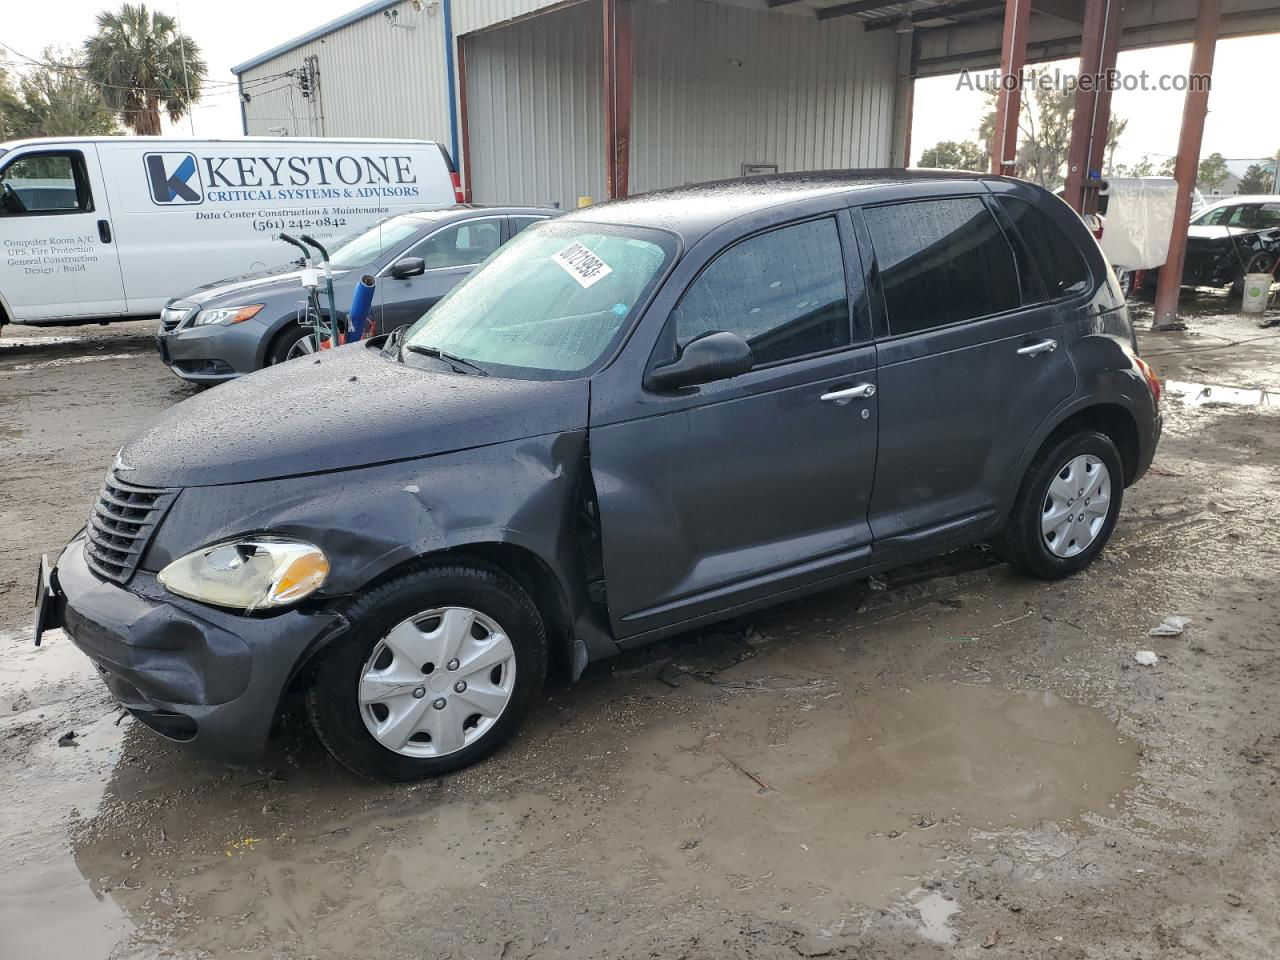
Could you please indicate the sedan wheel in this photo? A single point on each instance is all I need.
(438, 681)
(302, 348)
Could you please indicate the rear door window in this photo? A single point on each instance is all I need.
(1058, 260)
(941, 262)
(782, 291)
(520, 223)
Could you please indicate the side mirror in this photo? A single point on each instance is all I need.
(408, 267)
(717, 356)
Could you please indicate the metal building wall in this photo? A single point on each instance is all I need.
(376, 80)
(718, 86)
(535, 117)
(472, 15)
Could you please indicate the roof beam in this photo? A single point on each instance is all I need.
(780, 3)
(848, 9)
(942, 11)
(1069, 10)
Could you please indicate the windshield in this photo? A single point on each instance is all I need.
(550, 303)
(363, 249)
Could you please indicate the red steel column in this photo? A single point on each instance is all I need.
(1187, 166)
(1099, 49)
(1013, 57)
(618, 58)
(465, 134)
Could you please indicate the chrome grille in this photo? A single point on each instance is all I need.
(121, 525)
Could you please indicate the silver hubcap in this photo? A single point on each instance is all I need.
(303, 347)
(1076, 506)
(437, 682)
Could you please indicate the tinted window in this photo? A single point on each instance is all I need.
(461, 245)
(1255, 216)
(941, 261)
(1057, 258)
(782, 291)
(519, 223)
(49, 183)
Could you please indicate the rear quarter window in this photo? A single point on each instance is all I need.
(1054, 254)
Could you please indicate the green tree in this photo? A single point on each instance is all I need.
(144, 64)
(54, 100)
(1143, 168)
(1213, 172)
(953, 155)
(1257, 179)
(1044, 129)
(1169, 166)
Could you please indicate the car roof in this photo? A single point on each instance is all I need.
(1245, 198)
(460, 211)
(695, 209)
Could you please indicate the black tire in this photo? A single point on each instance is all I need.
(1021, 543)
(284, 341)
(332, 700)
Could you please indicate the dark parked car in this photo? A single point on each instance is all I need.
(636, 419)
(1228, 240)
(232, 327)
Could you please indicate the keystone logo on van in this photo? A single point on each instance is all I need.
(173, 177)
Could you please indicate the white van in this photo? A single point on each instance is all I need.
(105, 228)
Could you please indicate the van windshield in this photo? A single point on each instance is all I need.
(549, 304)
(363, 249)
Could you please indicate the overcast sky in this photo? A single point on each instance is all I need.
(1241, 121)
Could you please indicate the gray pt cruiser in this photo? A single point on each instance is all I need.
(642, 417)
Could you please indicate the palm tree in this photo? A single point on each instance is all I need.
(142, 62)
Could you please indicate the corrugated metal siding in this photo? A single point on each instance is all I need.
(375, 81)
(716, 86)
(470, 15)
(535, 113)
(719, 86)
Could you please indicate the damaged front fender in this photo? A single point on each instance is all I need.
(522, 494)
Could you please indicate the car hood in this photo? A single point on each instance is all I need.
(350, 408)
(285, 279)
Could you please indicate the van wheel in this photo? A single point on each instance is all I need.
(1067, 507)
(290, 343)
(439, 669)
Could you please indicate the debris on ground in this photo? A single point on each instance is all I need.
(1146, 658)
(1171, 627)
(68, 739)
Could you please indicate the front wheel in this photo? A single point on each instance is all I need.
(438, 671)
(1067, 507)
(292, 342)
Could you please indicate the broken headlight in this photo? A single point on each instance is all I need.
(249, 573)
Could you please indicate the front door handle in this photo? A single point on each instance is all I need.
(1044, 346)
(841, 397)
(104, 231)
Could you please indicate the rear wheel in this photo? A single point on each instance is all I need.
(1067, 507)
(439, 670)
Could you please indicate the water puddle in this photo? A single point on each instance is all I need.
(806, 798)
(1206, 395)
(15, 342)
(68, 361)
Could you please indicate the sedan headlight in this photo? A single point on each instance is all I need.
(226, 315)
(248, 574)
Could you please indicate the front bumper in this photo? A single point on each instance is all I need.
(213, 353)
(190, 672)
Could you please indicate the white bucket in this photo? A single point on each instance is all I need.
(1257, 291)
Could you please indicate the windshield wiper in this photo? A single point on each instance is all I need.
(459, 364)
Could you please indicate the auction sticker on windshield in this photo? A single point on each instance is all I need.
(581, 264)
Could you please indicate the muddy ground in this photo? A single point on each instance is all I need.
(954, 761)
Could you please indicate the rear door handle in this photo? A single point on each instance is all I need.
(104, 231)
(841, 397)
(1044, 346)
